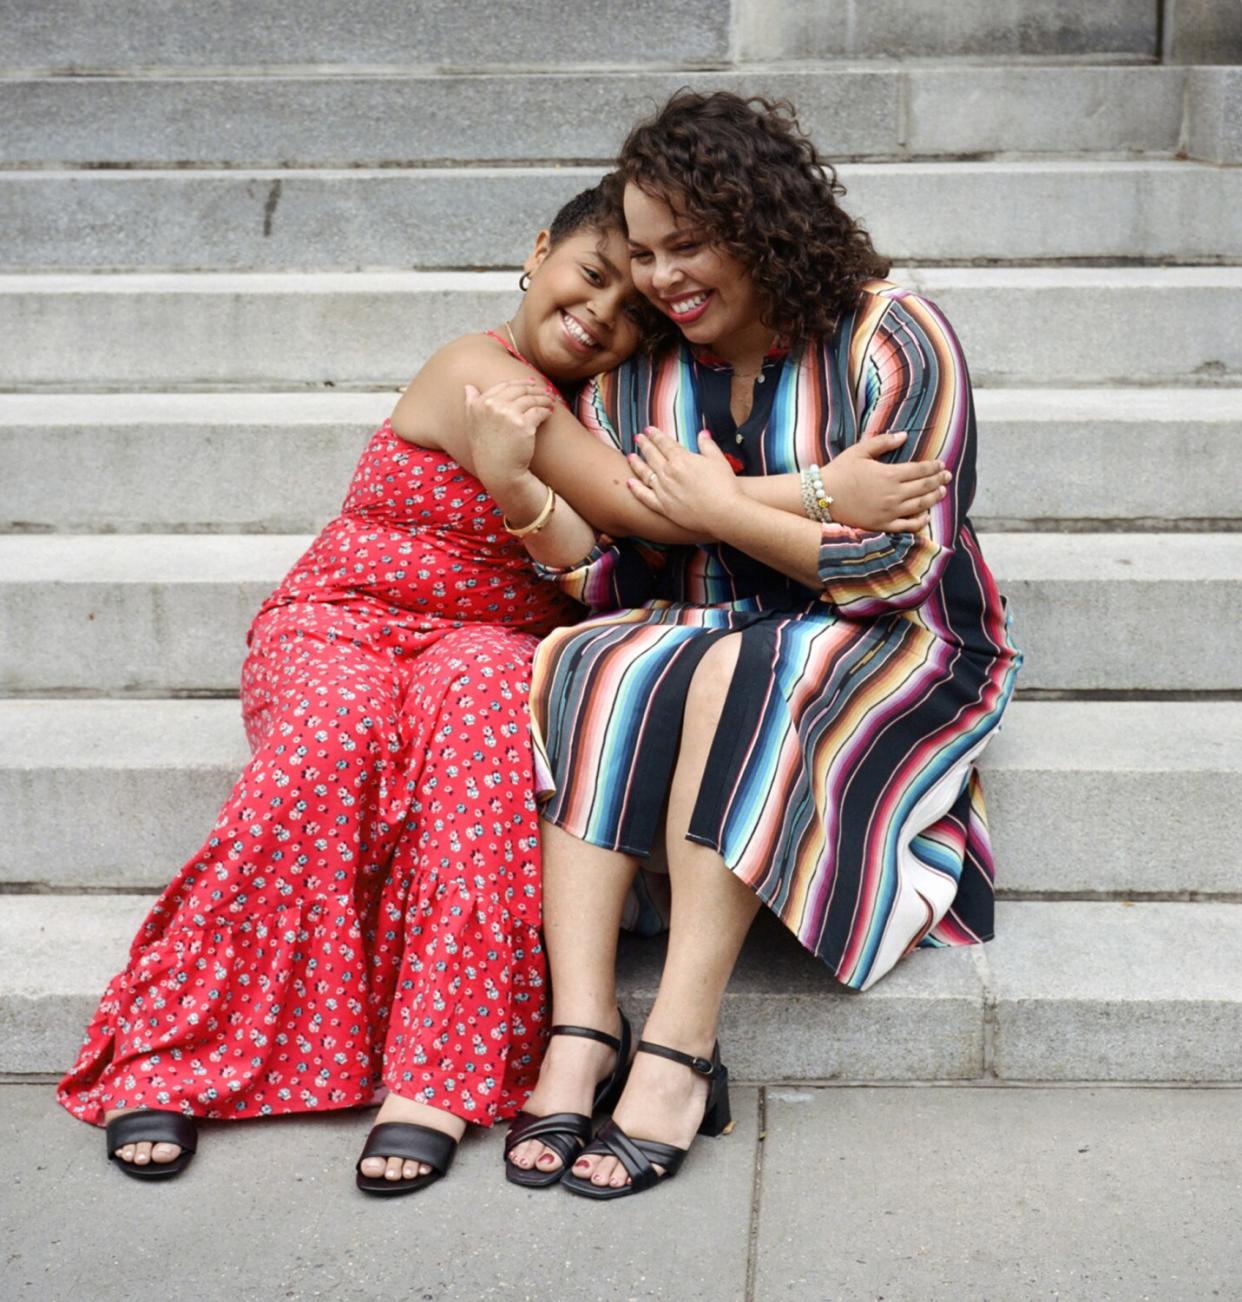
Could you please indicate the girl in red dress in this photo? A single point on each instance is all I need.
(364, 915)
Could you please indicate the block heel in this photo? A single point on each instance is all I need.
(640, 1157)
(718, 1119)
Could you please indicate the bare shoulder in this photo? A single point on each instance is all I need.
(436, 394)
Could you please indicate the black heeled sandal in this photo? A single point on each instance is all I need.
(641, 1156)
(565, 1133)
(404, 1139)
(152, 1126)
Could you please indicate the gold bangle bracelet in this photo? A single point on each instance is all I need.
(549, 505)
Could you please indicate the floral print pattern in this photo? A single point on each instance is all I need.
(365, 912)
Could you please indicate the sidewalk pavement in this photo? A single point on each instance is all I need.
(863, 1194)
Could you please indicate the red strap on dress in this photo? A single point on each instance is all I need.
(549, 387)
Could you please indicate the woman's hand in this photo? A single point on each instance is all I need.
(878, 496)
(695, 491)
(500, 429)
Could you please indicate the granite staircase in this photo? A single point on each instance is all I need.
(229, 242)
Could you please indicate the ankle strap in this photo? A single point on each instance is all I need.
(708, 1067)
(588, 1033)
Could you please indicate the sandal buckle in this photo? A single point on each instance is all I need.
(703, 1066)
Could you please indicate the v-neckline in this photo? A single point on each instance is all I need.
(714, 383)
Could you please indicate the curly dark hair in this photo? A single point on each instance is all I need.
(599, 209)
(747, 171)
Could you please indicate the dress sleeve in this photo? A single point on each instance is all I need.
(615, 574)
(913, 378)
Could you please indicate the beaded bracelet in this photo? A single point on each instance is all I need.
(815, 500)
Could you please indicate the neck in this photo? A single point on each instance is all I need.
(516, 325)
(744, 349)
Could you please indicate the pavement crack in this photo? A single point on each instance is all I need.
(756, 1194)
(987, 987)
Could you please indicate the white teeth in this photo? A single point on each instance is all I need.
(577, 331)
(684, 305)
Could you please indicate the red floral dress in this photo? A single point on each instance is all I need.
(365, 911)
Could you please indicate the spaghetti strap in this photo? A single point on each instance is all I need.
(549, 387)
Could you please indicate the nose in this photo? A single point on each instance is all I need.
(605, 306)
(664, 274)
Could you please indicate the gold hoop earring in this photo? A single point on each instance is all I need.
(524, 281)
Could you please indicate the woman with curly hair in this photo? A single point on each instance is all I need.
(800, 702)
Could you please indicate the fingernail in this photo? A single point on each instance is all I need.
(900, 435)
(705, 434)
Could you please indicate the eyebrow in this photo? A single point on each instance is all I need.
(680, 233)
(611, 268)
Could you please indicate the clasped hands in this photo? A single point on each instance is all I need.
(698, 491)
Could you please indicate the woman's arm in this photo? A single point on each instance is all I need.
(704, 493)
(921, 387)
(867, 491)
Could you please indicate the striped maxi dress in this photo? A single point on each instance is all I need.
(841, 784)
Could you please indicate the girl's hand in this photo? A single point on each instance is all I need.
(500, 428)
(878, 496)
(695, 491)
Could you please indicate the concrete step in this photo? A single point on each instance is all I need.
(168, 612)
(137, 33)
(1068, 991)
(1130, 798)
(1019, 326)
(279, 462)
(1169, 212)
(329, 118)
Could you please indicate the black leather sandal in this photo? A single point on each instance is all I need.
(152, 1126)
(412, 1143)
(565, 1133)
(641, 1156)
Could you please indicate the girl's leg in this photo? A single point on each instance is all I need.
(711, 913)
(584, 890)
(320, 713)
(464, 1000)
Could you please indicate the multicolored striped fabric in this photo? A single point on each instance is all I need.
(841, 784)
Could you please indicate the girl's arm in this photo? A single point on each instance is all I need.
(501, 428)
(584, 470)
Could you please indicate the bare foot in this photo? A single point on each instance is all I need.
(663, 1101)
(396, 1108)
(142, 1153)
(572, 1070)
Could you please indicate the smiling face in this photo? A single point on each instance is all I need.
(581, 314)
(703, 289)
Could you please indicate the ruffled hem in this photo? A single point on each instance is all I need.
(168, 1030)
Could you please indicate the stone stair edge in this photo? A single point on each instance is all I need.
(1089, 799)
(851, 112)
(926, 279)
(1069, 990)
(1067, 212)
(104, 733)
(1104, 403)
(156, 558)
